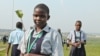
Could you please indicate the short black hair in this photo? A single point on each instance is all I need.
(78, 21)
(42, 6)
(19, 25)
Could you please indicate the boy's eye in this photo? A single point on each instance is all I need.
(78, 25)
(42, 16)
(35, 15)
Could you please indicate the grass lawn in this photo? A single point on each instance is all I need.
(92, 48)
(2, 53)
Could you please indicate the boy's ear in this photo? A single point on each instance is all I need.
(48, 17)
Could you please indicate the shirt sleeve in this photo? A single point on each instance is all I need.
(57, 49)
(69, 36)
(20, 35)
(23, 43)
(22, 46)
(10, 40)
(85, 36)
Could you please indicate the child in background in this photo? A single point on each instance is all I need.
(77, 40)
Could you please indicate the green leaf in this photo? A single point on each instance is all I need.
(19, 13)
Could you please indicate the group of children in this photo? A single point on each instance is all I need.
(42, 40)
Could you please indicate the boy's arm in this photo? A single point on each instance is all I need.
(8, 48)
(57, 48)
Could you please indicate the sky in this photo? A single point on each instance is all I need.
(63, 14)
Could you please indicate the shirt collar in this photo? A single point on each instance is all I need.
(18, 29)
(77, 31)
(46, 28)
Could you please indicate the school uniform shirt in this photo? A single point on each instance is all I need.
(15, 36)
(51, 43)
(71, 36)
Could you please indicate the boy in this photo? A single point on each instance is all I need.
(42, 40)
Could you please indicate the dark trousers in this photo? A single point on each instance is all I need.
(15, 51)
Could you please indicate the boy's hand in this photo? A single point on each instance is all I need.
(76, 44)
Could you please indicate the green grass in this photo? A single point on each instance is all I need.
(92, 48)
(2, 53)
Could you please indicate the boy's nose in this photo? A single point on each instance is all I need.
(38, 18)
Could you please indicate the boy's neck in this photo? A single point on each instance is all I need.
(78, 30)
(39, 28)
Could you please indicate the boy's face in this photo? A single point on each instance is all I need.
(40, 17)
(78, 26)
